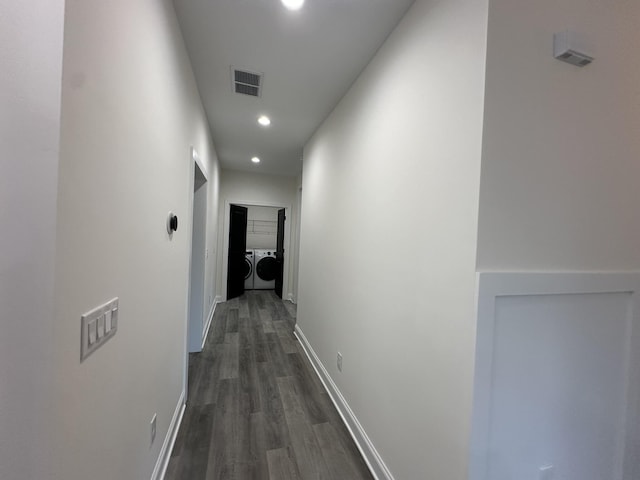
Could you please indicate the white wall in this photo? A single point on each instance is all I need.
(212, 170)
(559, 193)
(130, 113)
(31, 58)
(197, 324)
(561, 146)
(252, 189)
(388, 237)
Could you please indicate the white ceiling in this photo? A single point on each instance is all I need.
(309, 59)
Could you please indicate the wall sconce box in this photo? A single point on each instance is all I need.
(570, 48)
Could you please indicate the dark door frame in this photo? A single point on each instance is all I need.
(190, 327)
(225, 246)
(237, 250)
(282, 220)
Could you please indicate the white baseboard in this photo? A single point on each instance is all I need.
(291, 298)
(167, 446)
(209, 320)
(371, 456)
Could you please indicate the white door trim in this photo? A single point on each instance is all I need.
(194, 159)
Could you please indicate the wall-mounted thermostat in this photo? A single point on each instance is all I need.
(570, 48)
(172, 223)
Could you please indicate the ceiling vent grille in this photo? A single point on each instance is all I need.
(246, 83)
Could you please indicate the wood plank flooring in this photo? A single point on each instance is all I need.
(256, 408)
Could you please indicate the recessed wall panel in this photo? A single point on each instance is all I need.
(559, 385)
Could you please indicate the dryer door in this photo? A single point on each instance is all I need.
(267, 268)
(248, 268)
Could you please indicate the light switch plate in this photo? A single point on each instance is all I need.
(94, 327)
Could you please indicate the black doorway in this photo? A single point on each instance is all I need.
(280, 252)
(237, 248)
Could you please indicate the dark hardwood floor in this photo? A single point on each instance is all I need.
(256, 409)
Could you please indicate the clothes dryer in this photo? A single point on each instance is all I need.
(266, 269)
(248, 269)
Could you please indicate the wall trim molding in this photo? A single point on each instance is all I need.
(162, 463)
(205, 332)
(494, 285)
(368, 451)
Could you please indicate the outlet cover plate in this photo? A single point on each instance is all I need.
(546, 472)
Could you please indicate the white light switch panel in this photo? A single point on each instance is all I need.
(97, 326)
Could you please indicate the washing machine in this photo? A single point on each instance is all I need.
(265, 268)
(248, 269)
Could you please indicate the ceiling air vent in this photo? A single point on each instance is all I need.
(247, 83)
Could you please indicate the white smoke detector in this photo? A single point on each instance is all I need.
(571, 48)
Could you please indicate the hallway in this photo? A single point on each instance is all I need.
(256, 408)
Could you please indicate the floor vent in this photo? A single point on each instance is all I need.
(246, 83)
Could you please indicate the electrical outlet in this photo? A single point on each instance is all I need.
(153, 427)
(545, 472)
(339, 362)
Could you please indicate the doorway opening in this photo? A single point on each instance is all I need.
(196, 324)
(256, 246)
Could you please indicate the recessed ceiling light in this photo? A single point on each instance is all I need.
(255, 160)
(264, 120)
(293, 4)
